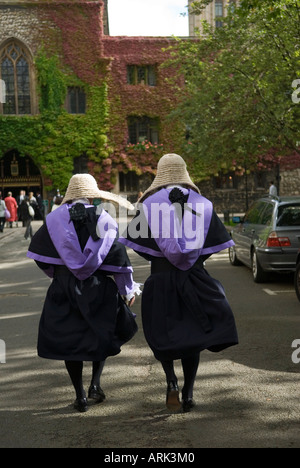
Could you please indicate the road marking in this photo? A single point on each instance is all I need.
(271, 293)
(275, 293)
(217, 257)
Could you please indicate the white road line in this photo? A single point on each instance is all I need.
(275, 293)
(271, 293)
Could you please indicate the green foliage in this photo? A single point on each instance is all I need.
(52, 83)
(54, 138)
(239, 86)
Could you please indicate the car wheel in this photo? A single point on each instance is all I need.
(297, 281)
(258, 273)
(233, 258)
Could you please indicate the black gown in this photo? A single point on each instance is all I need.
(79, 317)
(184, 309)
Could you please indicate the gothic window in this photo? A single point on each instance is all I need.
(15, 71)
(142, 129)
(219, 13)
(141, 74)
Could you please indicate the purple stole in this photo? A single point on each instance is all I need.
(181, 241)
(64, 237)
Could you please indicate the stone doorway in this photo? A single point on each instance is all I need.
(19, 173)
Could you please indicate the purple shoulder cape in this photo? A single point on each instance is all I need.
(69, 253)
(182, 239)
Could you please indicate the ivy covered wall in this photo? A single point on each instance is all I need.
(69, 48)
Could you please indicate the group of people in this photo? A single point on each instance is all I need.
(184, 310)
(24, 208)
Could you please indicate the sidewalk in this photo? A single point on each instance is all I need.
(18, 232)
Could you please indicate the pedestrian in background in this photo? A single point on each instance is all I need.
(40, 207)
(33, 203)
(56, 203)
(12, 206)
(27, 217)
(79, 249)
(273, 189)
(2, 213)
(184, 309)
(19, 199)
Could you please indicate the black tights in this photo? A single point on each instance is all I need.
(75, 369)
(190, 367)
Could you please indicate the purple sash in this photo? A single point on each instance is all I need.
(64, 237)
(180, 240)
(181, 236)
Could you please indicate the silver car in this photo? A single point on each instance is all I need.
(267, 239)
(297, 276)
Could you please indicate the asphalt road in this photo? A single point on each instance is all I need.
(247, 396)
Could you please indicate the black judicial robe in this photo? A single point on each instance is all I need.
(184, 309)
(79, 316)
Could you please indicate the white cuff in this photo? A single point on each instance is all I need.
(136, 291)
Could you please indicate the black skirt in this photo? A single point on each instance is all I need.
(78, 321)
(186, 312)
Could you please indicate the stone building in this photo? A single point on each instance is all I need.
(213, 14)
(78, 99)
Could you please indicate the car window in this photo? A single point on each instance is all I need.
(254, 213)
(266, 215)
(288, 215)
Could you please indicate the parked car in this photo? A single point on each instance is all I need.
(267, 238)
(297, 276)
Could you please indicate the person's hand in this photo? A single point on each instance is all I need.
(131, 302)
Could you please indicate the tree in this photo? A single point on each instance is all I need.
(237, 103)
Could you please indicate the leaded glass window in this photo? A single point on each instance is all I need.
(76, 100)
(141, 75)
(141, 129)
(15, 73)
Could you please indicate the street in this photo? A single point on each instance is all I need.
(247, 396)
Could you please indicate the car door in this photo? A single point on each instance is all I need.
(288, 227)
(247, 231)
(264, 226)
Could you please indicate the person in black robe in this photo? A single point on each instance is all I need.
(78, 247)
(184, 309)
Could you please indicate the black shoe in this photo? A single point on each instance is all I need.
(81, 405)
(187, 405)
(96, 393)
(173, 402)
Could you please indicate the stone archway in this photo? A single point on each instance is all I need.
(19, 173)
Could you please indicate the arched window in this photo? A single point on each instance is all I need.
(15, 72)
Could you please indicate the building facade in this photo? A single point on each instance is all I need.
(79, 100)
(213, 14)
